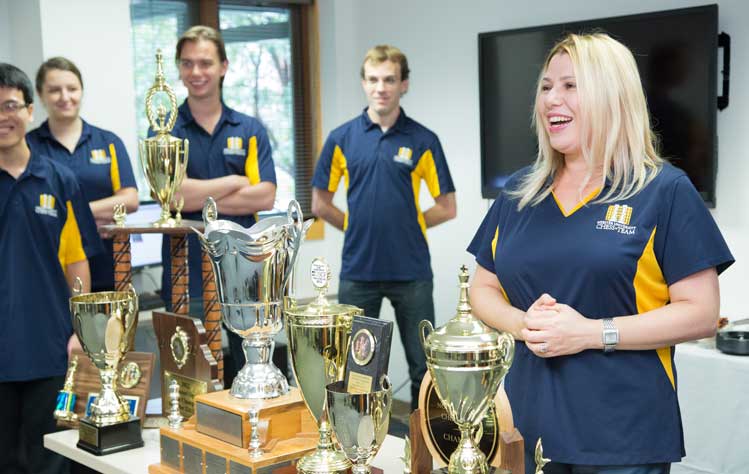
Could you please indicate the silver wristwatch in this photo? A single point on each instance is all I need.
(610, 335)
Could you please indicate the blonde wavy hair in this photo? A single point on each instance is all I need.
(613, 117)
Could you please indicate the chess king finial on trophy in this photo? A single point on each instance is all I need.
(253, 268)
(164, 157)
(467, 361)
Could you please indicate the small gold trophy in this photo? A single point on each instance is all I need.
(164, 157)
(105, 324)
(66, 396)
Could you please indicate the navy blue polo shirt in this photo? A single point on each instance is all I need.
(385, 231)
(45, 224)
(102, 166)
(603, 260)
(239, 145)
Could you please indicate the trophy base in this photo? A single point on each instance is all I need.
(324, 461)
(108, 439)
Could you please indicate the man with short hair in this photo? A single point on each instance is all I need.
(229, 157)
(383, 156)
(47, 234)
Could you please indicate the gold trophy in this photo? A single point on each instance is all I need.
(360, 421)
(467, 361)
(164, 157)
(66, 396)
(105, 324)
(319, 336)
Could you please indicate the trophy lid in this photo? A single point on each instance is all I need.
(464, 333)
(320, 308)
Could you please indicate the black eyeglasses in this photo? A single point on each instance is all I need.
(12, 107)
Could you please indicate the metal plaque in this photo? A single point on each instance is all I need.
(235, 468)
(170, 452)
(188, 389)
(272, 468)
(214, 464)
(220, 424)
(193, 459)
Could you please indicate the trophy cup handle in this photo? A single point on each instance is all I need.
(133, 299)
(297, 235)
(78, 286)
(210, 211)
(507, 347)
(425, 329)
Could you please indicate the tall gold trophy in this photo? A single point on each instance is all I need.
(319, 338)
(105, 324)
(164, 157)
(467, 361)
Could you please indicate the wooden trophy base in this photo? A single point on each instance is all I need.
(185, 449)
(108, 439)
(226, 418)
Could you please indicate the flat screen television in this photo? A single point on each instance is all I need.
(676, 53)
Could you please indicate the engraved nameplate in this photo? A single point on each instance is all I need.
(220, 424)
(88, 434)
(214, 464)
(193, 459)
(188, 389)
(235, 468)
(170, 452)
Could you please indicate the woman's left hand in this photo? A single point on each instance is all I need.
(564, 333)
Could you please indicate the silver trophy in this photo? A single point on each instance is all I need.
(253, 269)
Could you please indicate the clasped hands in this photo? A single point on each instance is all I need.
(554, 329)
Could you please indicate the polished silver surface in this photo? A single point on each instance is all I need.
(360, 422)
(253, 268)
(253, 414)
(105, 324)
(221, 424)
(174, 418)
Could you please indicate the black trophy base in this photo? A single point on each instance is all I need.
(108, 439)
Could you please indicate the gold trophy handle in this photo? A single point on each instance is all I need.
(425, 329)
(507, 347)
(78, 286)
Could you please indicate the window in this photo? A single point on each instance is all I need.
(269, 75)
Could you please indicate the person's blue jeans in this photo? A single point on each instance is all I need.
(412, 301)
(559, 468)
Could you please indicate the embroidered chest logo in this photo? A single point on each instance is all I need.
(404, 156)
(46, 205)
(617, 219)
(99, 157)
(234, 146)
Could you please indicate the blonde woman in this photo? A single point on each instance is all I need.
(599, 259)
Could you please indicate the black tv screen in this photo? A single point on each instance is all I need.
(676, 53)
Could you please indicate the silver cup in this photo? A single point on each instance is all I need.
(360, 422)
(253, 268)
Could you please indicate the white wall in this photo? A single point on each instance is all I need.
(4, 32)
(440, 39)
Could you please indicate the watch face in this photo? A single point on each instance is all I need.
(610, 337)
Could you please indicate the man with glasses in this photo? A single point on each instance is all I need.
(47, 234)
(230, 157)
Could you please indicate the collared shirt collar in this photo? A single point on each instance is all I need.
(227, 115)
(399, 125)
(45, 133)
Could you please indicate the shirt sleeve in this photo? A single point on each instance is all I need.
(483, 245)
(688, 240)
(122, 169)
(435, 171)
(259, 163)
(331, 166)
(79, 239)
